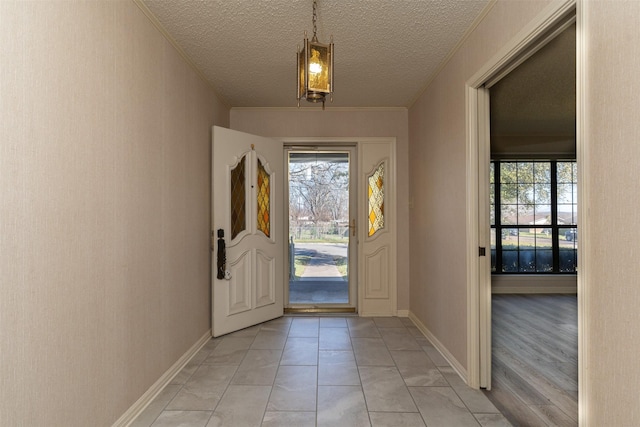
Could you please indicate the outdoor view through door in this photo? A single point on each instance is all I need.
(319, 228)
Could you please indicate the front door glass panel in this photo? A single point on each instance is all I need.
(238, 199)
(263, 196)
(319, 228)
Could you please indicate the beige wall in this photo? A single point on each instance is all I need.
(611, 270)
(609, 292)
(104, 210)
(337, 123)
(437, 135)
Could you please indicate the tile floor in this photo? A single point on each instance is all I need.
(320, 371)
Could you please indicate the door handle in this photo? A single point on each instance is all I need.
(222, 255)
(353, 227)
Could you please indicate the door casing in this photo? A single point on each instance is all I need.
(351, 149)
(369, 303)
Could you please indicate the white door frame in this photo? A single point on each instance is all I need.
(390, 308)
(350, 148)
(554, 19)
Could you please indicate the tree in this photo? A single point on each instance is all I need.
(319, 190)
(525, 190)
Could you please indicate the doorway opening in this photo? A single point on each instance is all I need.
(545, 28)
(321, 230)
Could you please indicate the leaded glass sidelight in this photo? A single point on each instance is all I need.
(238, 198)
(264, 200)
(376, 200)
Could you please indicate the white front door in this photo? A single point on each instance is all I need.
(247, 208)
(377, 232)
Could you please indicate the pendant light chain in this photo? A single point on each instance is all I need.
(315, 17)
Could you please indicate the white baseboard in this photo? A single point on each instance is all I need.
(403, 313)
(136, 409)
(534, 284)
(375, 314)
(455, 364)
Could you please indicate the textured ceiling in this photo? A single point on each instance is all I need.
(385, 51)
(533, 108)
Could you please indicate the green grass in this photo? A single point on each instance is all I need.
(301, 264)
(341, 263)
(321, 240)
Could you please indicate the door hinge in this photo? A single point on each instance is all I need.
(482, 251)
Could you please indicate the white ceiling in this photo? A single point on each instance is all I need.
(533, 108)
(385, 51)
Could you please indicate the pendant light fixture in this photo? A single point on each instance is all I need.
(315, 67)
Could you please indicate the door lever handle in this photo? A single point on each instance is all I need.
(222, 255)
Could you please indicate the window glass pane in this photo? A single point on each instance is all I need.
(567, 172)
(525, 172)
(527, 259)
(525, 193)
(263, 197)
(568, 242)
(510, 238)
(508, 193)
(509, 250)
(509, 261)
(544, 261)
(508, 214)
(493, 250)
(542, 172)
(568, 237)
(542, 193)
(566, 193)
(568, 260)
(525, 214)
(376, 200)
(542, 215)
(543, 238)
(238, 198)
(508, 173)
(566, 215)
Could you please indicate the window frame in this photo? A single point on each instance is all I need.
(497, 228)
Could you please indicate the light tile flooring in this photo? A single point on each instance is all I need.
(320, 371)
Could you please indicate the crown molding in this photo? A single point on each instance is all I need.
(143, 7)
(455, 50)
(315, 110)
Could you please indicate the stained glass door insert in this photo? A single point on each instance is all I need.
(376, 200)
(264, 200)
(238, 199)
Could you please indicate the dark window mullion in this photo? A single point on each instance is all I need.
(555, 232)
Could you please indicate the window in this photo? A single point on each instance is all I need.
(534, 212)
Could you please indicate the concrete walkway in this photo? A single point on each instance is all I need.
(321, 265)
(321, 281)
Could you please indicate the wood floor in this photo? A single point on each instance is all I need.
(535, 359)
